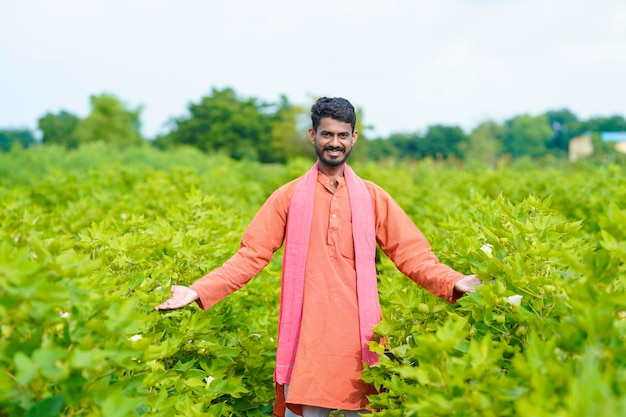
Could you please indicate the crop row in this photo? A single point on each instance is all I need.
(92, 240)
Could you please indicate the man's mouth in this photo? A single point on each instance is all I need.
(334, 151)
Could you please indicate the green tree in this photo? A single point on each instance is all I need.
(59, 129)
(288, 140)
(223, 122)
(443, 141)
(408, 145)
(381, 148)
(528, 135)
(614, 123)
(485, 143)
(361, 151)
(110, 122)
(10, 137)
(565, 126)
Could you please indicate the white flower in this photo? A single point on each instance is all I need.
(622, 314)
(135, 338)
(487, 248)
(514, 300)
(209, 379)
(64, 314)
(124, 216)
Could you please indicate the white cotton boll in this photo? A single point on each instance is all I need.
(487, 249)
(135, 338)
(514, 300)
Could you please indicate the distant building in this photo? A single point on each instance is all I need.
(582, 146)
(579, 147)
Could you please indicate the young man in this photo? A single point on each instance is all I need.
(330, 221)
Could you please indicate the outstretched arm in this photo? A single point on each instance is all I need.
(181, 297)
(263, 236)
(406, 246)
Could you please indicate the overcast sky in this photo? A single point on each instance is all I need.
(407, 63)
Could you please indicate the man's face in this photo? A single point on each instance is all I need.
(333, 141)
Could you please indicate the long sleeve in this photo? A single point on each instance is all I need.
(402, 241)
(263, 236)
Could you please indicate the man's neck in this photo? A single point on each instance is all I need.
(333, 174)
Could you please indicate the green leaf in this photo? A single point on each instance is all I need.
(48, 407)
(26, 368)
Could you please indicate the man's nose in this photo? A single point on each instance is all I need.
(335, 140)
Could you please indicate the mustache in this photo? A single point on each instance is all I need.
(333, 148)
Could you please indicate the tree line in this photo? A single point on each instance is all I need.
(273, 132)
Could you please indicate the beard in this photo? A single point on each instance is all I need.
(333, 162)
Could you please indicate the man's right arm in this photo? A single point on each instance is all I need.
(263, 236)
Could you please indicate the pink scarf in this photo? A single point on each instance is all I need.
(294, 262)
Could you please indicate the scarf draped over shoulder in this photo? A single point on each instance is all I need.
(297, 237)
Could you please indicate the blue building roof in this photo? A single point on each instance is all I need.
(613, 136)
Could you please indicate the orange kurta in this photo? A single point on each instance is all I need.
(328, 363)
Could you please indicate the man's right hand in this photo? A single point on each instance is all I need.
(181, 296)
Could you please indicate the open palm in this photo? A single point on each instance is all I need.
(467, 284)
(181, 296)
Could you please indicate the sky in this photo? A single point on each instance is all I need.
(406, 64)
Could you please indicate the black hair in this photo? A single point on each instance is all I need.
(337, 108)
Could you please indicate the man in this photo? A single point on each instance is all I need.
(330, 221)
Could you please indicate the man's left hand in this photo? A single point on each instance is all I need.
(467, 284)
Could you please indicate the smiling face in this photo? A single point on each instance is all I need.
(333, 142)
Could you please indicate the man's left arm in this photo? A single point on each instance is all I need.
(406, 246)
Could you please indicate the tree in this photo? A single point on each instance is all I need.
(222, 122)
(407, 144)
(485, 143)
(287, 138)
(110, 122)
(10, 137)
(59, 129)
(381, 148)
(443, 141)
(614, 123)
(528, 135)
(361, 152)
(565, 126)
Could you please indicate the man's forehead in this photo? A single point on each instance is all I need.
(333, 125)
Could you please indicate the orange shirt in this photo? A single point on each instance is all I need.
(328, 363)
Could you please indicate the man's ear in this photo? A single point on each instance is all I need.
(312, 135)
(355, 136)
